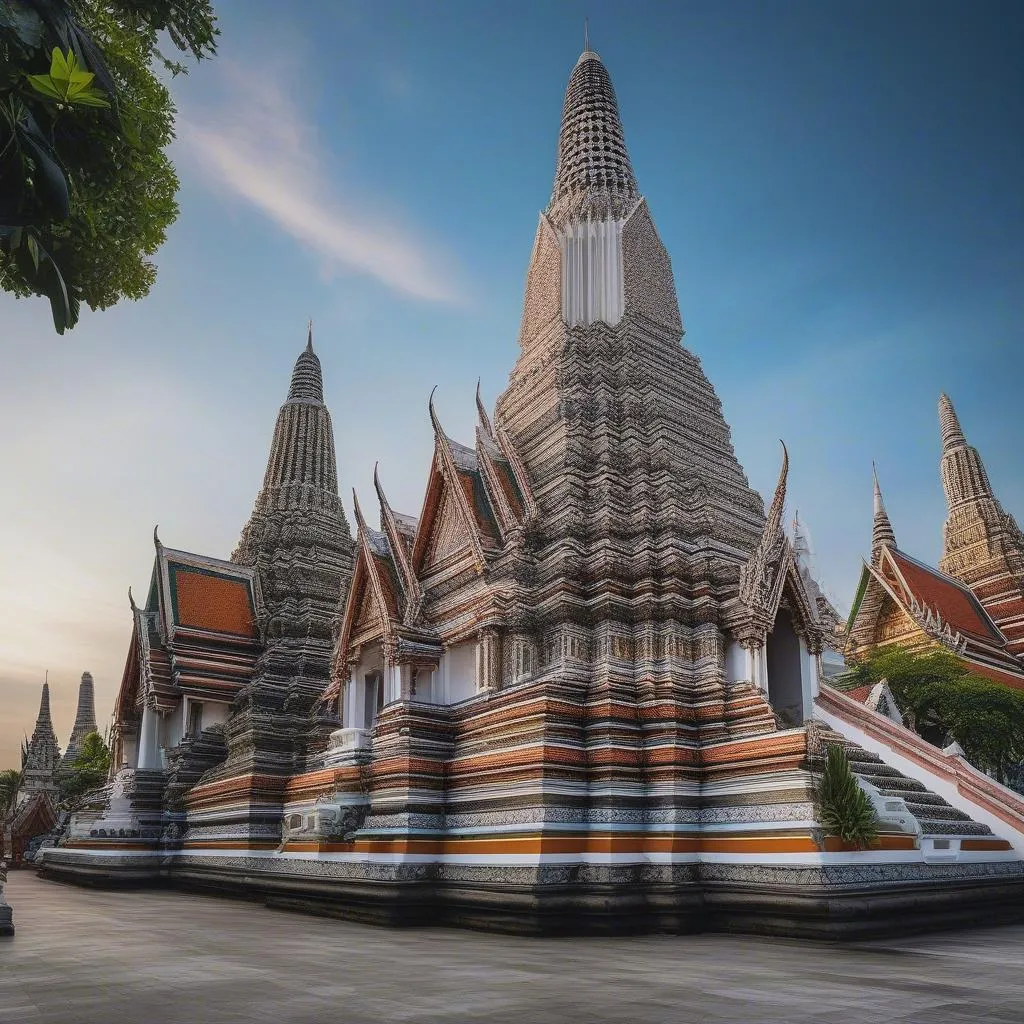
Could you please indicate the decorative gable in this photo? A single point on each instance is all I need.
(449, 533)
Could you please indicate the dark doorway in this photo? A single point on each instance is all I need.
(785, 689)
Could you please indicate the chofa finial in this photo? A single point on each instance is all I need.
(156, 538)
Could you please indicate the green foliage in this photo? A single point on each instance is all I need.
(67, 83)
(89, 770)
(945, 701)
(845, 809)
(86, 190)
(10, 783)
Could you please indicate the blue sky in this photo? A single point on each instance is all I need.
(838, 186)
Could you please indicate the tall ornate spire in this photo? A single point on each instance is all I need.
(882, 533)
(594, 174)
(982, 545)
(85, 720)
(302, 470)
(964, 477)
(297, 536)
(41, 755)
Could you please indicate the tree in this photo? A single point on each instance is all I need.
(10, 783)
(88, 771)
(945, 701)
(86, 190)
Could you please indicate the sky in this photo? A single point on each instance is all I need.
(838, 186)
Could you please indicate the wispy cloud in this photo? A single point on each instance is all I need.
(256, 144)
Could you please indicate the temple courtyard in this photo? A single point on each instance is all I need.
(151, 957)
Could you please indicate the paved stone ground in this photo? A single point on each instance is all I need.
(85, 957)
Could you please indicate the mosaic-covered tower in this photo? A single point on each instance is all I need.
(299, 543)
(85, 720)
(41, 755)
(982, 545)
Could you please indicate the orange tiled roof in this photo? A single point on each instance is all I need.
(212, 602)
(956, 604)
(860, 693)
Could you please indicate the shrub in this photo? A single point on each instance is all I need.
(845, 809)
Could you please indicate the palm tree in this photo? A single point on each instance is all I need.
(10, 783)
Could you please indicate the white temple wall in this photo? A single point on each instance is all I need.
(592, 282)
(460, 673)
(454, 679)
(738, 663)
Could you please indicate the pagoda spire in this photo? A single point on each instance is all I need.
(302, 468)
(964, 477)
(41, 754)
(307, 377)
(298, 530)
(949, 425)
(982, 545)
(593, 174)
(882, 533)
(43, 720)
(85, 720)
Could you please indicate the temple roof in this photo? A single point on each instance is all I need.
(198, 633)
(593, 163)
(208, 594)
(959, 608)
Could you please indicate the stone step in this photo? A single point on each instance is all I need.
(935, 827)
(917, 796)
(930, 811)
(935, 815)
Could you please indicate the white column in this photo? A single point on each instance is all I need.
(149, 741)
(760, 669)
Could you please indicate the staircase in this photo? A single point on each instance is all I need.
(936, 816)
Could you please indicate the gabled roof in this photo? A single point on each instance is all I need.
(198, 633)
(942, 609)
(959, 608)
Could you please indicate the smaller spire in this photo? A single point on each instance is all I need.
(882, 533)
(586, 35)
(949, 425)
(43, 720)
(309, 338)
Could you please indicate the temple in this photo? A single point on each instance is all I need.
(35, 806)
(973, 604)
(581, 690)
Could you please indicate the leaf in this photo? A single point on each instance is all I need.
(46, 86)
(61, 66)
(89, 98)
